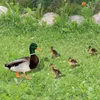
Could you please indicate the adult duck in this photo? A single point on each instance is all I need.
(25, 64)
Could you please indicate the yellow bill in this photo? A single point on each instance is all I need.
(38, 48)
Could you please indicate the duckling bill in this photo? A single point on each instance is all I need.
(72, 62)
(25, 64)
(92, 51)
(57, 72)
(54, 53)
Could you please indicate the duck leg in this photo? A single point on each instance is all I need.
(57, 76)
(73, 66)
(27, 77)
(17, 75)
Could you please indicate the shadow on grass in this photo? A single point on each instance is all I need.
(41, 64)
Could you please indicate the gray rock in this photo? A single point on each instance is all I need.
(48, 18)
(3, 10)
(77, 18)
(96, 18)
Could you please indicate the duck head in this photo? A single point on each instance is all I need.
(33, 47)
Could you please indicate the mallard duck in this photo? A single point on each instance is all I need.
(25, 64)
(72, 62)
(54, 53)
(56, 71)
(92, 51)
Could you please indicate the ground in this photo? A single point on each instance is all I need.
(80, 83)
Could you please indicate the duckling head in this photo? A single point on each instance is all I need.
(89, 47)
(51, 47)
(51, 65)
(69, 58)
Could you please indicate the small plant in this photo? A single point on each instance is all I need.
(89, 9)
(68, 9)
(64, 25)
(86, 12)
(39, 11)
(13, 13)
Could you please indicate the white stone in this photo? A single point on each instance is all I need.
(96, 18)
(48, 18)
(3, 10)
(77, 18)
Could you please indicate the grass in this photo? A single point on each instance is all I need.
(81, 83)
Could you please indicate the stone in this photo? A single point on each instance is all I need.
(96, 18)
(3, 10)
(48, 18)
(77, 18)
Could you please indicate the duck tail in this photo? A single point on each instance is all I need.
(78, 64)
(7, 66)
(58, 54)
(62, 75)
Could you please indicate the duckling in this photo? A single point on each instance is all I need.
(54, 53)
(92, 51)
(25, 64)
(72, 62)
(56, 71)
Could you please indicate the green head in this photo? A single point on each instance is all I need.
(89, 47)
(33, 47)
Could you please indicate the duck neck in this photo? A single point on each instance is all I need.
(52, 67)
(32, 52)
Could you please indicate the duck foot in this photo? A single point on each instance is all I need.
(27, 77)
(17, 75)
(57, 77)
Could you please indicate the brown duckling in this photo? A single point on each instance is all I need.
(72, 62)
(54, 53)
(56, 71)
(92, 51)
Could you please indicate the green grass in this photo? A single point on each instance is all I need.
(81, 83)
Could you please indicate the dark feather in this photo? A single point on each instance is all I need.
(55, 53)
(33, 61)
(73, 61)
(94, 50)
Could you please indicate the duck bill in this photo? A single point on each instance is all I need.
(38, 48)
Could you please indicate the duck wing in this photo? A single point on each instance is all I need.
(17, 62)
(57, 71)
(56, 53)
(94, 50)
(73, 61)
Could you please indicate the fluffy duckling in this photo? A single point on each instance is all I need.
(92, 51)
(54, 53)
(72, 62)
(56, 71)
(25, 64)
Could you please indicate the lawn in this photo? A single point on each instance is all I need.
(80, 83)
